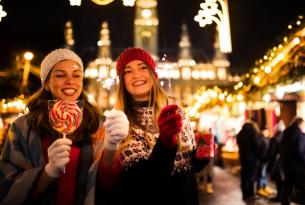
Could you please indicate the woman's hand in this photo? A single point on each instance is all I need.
(116, 127)
(59, 156)
(170, 124)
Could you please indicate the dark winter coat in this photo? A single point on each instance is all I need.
(293, 152)
(156, 174)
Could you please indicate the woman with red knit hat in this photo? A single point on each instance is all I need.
(158, 157)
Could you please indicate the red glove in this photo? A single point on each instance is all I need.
(169, 122)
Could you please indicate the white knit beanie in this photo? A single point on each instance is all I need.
(54, 57)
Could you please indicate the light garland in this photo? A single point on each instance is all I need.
(2, 12)
(210, 13)
(13, 106)
(129, 2)
(101, 2)
(281, 63)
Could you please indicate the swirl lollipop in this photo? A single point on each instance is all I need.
(65, 116)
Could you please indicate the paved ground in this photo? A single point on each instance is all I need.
(227, 190)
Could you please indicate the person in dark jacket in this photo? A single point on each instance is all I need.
(262, 176)
(293, 157)
(158, 158)
(275, 168)
(248, 144)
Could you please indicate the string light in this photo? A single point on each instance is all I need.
(210, 13)
(102, 2)
(129, 2)
(2, 12)
(75, 2)
(278, 62)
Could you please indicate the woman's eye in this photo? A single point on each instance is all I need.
(59, 76)
(127, 71)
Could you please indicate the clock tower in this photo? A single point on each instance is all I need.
(146, 26)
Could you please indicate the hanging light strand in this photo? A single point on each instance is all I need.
(210, 13)
(130, 3)
(2, 12)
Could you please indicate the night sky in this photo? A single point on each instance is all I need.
(256, 25)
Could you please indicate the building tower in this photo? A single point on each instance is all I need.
(220, 60)
(101, 71)
(186, 60)
(104, 43)
(146, 26)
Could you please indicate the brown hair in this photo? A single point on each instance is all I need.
(39, 120)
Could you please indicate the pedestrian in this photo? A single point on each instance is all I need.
(262, 175)
(158, 158)
(274, 167)
(248, 143)
(38, 165)
(292, 152)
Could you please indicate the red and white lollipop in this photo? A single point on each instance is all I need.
(65, 116)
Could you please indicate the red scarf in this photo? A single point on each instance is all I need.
(64, 194)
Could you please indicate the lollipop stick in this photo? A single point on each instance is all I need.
(64, 136)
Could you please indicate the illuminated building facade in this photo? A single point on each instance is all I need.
(180, 79)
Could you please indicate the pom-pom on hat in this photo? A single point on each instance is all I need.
(54, 57)
(131, 54)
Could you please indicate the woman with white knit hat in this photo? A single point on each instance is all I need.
(38, 166)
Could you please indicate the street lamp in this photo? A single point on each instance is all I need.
(28, 56)
(210, 13)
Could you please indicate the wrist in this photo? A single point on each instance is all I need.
(111, 146)
(169, 141)
(51, 171)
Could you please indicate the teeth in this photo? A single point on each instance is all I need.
(69, 91)
(139, 83)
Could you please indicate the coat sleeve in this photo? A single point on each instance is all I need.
(20, 164)
(107, 176)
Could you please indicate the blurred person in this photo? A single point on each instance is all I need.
(274, 167)
(39, 166)
(262, 176)
(248, 143)
(292, 152)
(158, 158)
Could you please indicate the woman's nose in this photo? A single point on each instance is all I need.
(69, 80)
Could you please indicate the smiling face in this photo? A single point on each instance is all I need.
(137, 78)
(66, 80)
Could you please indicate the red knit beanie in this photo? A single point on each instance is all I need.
(131, 54)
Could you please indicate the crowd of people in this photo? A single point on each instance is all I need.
(279, 158)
